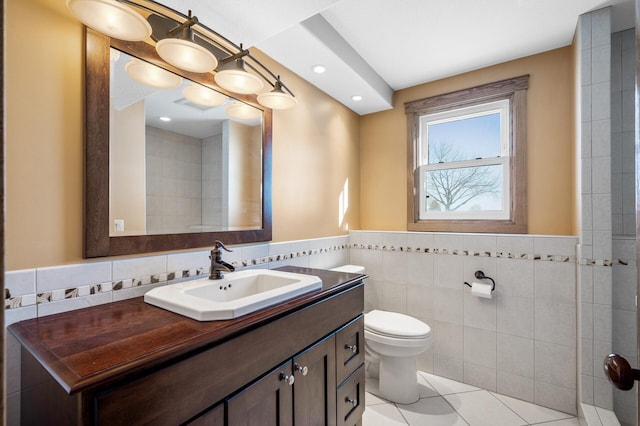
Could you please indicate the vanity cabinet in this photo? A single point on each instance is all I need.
(248, 371)
(303, 390)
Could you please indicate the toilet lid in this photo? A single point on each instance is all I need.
(393, 324)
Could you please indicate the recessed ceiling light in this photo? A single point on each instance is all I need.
(356, 98)
(165, 118)
(319, 69)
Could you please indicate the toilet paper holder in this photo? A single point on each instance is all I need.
(481, 276)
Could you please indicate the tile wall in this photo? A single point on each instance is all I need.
(174, 181)
(624, 338)
(44, 291)
(594, 146)
(520, 343)
(623, 54)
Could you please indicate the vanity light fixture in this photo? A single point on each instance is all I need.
(184, 43)
(200, 95)
(277, 99)
(180, 50)
(238, 79)
(112, 18)
(242, 111)
(151, 75)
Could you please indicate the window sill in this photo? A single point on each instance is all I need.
(477, 226)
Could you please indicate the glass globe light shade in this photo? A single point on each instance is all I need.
(242, 111)
(186, 55)
(204, 96)
(238, 80)
(151, 75)
(111, 18)
(277, 99)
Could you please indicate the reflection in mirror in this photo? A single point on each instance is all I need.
(184, 158)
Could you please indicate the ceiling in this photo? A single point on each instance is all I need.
(373, 47)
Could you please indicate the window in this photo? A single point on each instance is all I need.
(467, 154)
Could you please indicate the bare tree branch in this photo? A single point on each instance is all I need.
(453, 188)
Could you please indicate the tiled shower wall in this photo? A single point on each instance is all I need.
(521, 343)
(624, 328)
(174, 181)
(594, 147)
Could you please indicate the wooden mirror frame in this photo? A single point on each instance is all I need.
(97, 241)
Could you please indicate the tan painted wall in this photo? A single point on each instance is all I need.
(550, 145)
(245, 175)
(315, 149)
(316, 153)
(128, 179)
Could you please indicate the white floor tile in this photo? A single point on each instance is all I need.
(530, 412)
(444, 402)
(431, 411)
(370, 398)
(425, 390)
(446, 386)
(565, 422)
(607, 417)
(483, 409)
(382, 415)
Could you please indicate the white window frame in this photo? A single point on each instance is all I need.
(500, 107)
(513, 89)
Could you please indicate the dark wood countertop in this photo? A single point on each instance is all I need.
(95, 346)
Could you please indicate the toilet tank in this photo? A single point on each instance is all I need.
(352, 269)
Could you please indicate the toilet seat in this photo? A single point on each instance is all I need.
(395, 326)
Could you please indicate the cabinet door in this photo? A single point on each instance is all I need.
(267, 402)
(314, 390)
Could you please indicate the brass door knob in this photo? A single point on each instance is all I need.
(619, 372)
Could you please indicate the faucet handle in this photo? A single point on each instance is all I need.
(220, 245)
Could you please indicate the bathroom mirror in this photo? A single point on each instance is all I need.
(153, 185)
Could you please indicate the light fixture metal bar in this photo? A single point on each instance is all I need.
(234, 57)
(206, 35)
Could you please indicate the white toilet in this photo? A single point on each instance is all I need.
(392, 342)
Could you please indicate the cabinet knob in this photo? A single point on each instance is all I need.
(287, 378)
(304, 370)
(352, 348)
(620, 372)
(353, 402)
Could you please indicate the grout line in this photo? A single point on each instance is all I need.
(508, 408)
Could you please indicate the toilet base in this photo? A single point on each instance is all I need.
(398, 379)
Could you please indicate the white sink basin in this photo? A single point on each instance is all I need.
(238, 293)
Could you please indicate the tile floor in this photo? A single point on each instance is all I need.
(444, 402)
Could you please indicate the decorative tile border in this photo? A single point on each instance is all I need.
(13, 302)
(497, 254)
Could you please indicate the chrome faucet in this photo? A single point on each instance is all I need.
(218, 266)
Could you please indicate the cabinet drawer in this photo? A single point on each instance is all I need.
(350, 399)
(349, 348)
